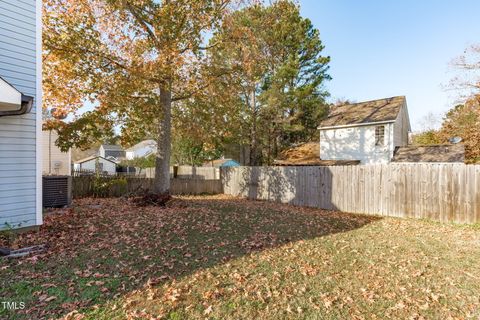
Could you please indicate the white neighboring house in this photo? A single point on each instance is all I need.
(366, 131)
(55, 162)
(112, 152)
(89, 164)
(20, 113)
(141, 149)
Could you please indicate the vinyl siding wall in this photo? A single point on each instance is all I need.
(52, 155)
(19, 182)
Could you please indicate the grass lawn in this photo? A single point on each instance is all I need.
(225, 258)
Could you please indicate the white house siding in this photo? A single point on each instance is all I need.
(20, 65)
(52, 155)
(108, 166)
(356, 143)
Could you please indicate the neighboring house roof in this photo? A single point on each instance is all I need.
(308, 154)
(305, 152)
(144, 143)
(112, 158)
(222, 163)
(78, 154)
(92, 158)
(111, 147)
(433, 153)
(382, 110)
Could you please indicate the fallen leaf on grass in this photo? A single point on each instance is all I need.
(46, 298)
(208, 310)
(74, 315)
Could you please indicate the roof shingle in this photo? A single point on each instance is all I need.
(364, 112)
(434, 153)
(308, 154)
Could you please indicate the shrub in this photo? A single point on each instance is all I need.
(108, 187)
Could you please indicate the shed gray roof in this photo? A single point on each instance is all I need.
(112, 147)
(92, 158)
(144, 143)
(381, 110)
(434, 153)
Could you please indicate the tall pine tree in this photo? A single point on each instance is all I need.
(277, 79)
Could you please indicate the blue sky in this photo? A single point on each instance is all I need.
(382, 48)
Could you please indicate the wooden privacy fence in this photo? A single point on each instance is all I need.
(442, 192)
(87, 186)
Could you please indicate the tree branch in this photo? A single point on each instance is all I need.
(145, 25)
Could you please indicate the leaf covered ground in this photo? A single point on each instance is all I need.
(223, 258)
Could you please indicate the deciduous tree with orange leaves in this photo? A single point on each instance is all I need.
(131, 59)
(464, 121)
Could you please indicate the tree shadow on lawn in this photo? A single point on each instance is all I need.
(102, 249)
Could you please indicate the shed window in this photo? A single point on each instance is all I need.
(380, 136)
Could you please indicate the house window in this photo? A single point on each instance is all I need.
(380, 136)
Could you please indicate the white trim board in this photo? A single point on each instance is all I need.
(38, 113)
(356, 125)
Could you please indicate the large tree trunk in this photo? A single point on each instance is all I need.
(253, 138)
(162, 163)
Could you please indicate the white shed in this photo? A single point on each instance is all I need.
(90, 165)
(20, 113)
(367, 131)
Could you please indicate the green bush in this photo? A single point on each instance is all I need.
(108, 187)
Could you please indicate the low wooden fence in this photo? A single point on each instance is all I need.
(442, 192)
(87, 186)
(187, 172)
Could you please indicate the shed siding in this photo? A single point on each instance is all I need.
(18, 152)
(400, 131)
(355, 143)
